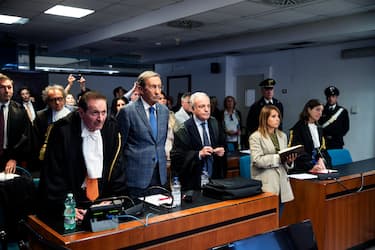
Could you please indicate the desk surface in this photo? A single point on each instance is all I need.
(342, 211)
(198, 227)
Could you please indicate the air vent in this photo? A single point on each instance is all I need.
(286, 2)
(184, 24)
(303, 43)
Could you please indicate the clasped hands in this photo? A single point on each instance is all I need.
(208, 150)
(319, 167)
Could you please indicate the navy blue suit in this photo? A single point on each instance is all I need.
(142, 153)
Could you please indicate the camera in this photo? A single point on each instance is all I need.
(77, 76)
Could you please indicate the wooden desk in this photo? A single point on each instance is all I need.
(233, 163)
(341, 215)
(195, 228)
(233, 166)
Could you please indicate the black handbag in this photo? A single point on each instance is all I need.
(232, 188)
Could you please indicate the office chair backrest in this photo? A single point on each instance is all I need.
(339, 156)
(298, 236)
(245, 166)
(230, 147)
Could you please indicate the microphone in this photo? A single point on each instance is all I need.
(188, 196)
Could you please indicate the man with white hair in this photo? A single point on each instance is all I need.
(198, 150)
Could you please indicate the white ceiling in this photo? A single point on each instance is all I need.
(136, 30)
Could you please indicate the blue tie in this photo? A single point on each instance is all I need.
(208, 161)
(153, 123)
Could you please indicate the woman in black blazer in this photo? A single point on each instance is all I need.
(308, 132)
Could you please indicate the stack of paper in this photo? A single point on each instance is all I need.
(4, 176)
(157, 199)
(303, 176)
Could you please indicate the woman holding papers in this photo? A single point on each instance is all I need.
(267, 166)
(308, 133)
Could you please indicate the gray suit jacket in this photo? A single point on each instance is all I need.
(139, 147)
(267, 167)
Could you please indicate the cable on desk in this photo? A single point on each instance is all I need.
(132, 217)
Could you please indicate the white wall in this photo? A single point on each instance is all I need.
(304, 73)
(201, 78)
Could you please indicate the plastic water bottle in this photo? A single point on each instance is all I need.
(204, 178)
(176, 192)
(70, 212)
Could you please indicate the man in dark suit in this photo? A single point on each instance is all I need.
(83, 151)
(334, 120)
(193, 156)
(15, 129)
(144, 126)
(26, 101)
(267, 86)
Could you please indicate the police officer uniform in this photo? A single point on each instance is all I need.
(334, 120)
(252, 122)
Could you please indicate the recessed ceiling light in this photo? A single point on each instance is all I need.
(61, 10)
(13, 19)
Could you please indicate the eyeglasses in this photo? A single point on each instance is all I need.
(57, 99)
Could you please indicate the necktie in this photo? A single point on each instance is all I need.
(206, 141)
(153, 123)
(2, 125)
(207, 166)
(92, 190)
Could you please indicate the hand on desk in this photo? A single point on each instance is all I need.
(10, 167)
(319, 167)
(80, 214)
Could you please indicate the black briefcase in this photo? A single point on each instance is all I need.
(232, 188)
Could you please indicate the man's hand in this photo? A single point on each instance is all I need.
(205, 151)
(71, 79)
(80, 213)
(219, 151)
(10, 167)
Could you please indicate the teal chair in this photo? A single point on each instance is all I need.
(245, 166)
(339, 156)
(230, 147)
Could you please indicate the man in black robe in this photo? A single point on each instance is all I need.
(82, 146)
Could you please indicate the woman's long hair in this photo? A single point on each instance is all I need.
(263, 117)
(304, 116)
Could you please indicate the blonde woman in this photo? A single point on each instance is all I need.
(266, 163)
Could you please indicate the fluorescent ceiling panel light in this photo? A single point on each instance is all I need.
(62, 10)
(13, 19)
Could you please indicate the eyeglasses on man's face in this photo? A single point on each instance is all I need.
(56, 99)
